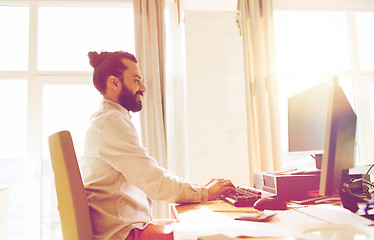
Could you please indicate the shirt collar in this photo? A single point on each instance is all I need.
(108, 104)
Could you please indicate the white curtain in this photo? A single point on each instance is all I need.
(175, 92)
(257, 29)
(150, 52)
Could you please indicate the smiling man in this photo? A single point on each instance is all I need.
(121, 180)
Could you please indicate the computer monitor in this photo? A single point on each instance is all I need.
(340, 141)
(322, 122)
(307, 112)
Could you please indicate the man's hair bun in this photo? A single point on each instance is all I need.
(95, 58)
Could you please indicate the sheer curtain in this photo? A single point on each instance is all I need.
(150, 52)
(256, 24)
(175, 92)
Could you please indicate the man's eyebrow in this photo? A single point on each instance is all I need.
(137, 76)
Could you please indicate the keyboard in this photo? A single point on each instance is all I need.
(243, 197)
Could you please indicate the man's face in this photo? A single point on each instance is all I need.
(132, 91)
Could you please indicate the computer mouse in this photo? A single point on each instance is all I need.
(270, 204)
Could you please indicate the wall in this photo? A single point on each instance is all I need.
(217, 140)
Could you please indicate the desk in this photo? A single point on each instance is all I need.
(194, 217)
(215, 206)
(219, 207)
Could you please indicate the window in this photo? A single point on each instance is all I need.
(365, 40)
(45, 87)
(311, 47)
(309, 36)
(65, 41)
(14, 38)
(13, 105)
(13, 121)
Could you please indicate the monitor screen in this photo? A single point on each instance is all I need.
(307, 113)
(340, 141)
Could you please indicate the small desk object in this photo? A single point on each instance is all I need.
(215, 220)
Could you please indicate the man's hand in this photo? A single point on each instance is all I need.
(217, 187)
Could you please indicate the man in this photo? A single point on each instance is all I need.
(120, 178)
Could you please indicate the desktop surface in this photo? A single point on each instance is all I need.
(215, 206)
(222, 207)
(212, 217)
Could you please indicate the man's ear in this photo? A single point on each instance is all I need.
(113, 83)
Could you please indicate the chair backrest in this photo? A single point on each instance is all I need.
(71, 197)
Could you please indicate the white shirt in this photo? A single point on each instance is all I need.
(121, 179)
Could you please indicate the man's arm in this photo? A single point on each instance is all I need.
(121, 149)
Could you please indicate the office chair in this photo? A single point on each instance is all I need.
(71, 197)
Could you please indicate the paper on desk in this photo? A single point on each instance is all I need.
(204, 222)
(321, 214)
(326, 217)
(335, 214)
(201, 222)
(273, 228)
(294, 217)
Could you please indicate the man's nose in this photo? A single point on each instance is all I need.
(142, 87)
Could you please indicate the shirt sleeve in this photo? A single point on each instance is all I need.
(120, 148)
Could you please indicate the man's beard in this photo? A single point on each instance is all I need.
(129, 101)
